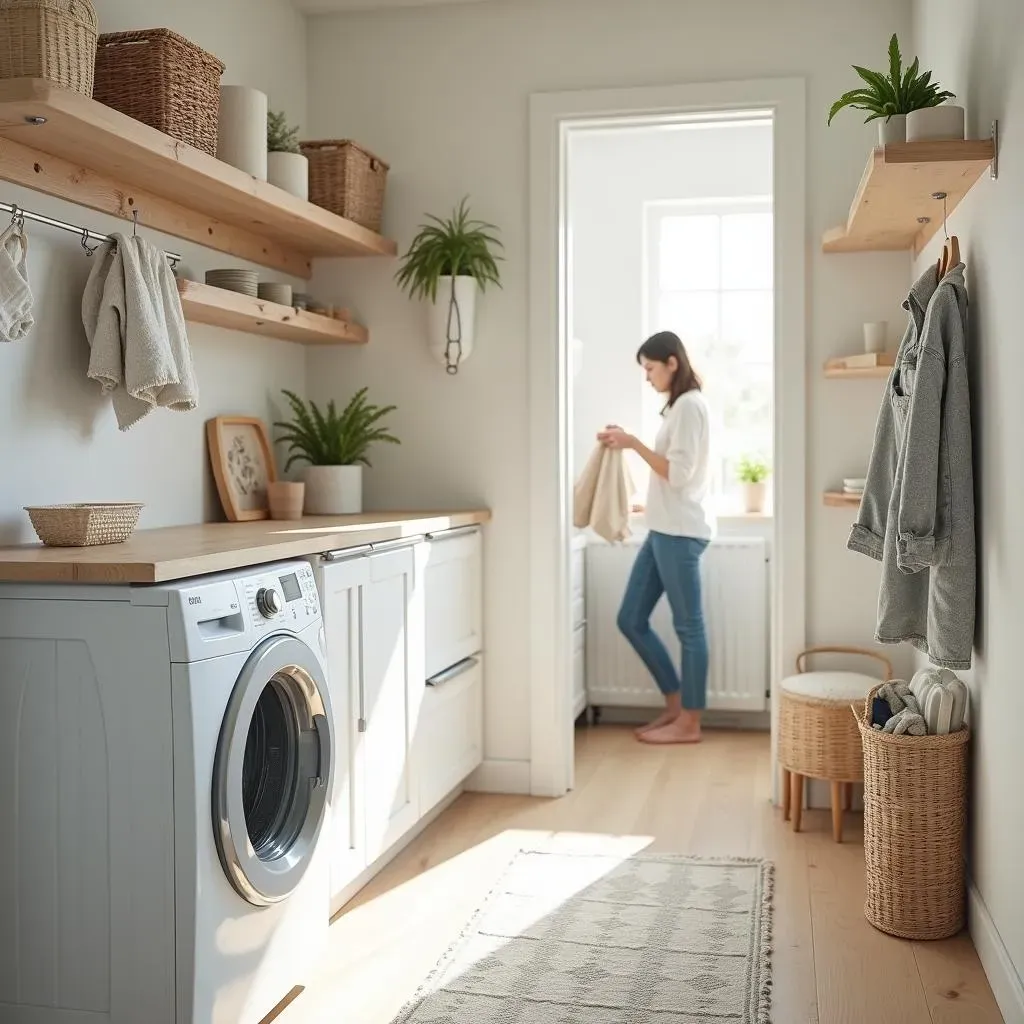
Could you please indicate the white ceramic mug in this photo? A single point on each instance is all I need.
(875, 335)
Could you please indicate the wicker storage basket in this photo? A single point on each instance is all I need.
(51, 39)
(163, 80)
(915, 797)
(347, 180)
(78, 526)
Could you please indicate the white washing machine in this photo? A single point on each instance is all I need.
(165, 765)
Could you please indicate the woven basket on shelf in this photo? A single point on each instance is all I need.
(347, 180)
(163, 80)
(915, 816)
(77, 526)
(51, 39)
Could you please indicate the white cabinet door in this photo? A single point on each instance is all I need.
(393, 683)
(342, 585)
(454, 629)
(579, 671)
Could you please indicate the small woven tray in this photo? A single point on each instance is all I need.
(84, 525)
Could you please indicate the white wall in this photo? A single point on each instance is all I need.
(58, 440)
(976, 48)
(442, 93)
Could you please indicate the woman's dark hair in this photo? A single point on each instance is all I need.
(661, 347)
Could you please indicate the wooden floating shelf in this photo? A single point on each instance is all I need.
(896, 190)
(838, 499)
(65, 144)
(841, 368)
(204, 304)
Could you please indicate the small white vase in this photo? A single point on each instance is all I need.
(945, 121)
(875, 334)
(753, 497)
(451, 322)
(893, 129)
(242, 129)
(289, 171)
(333, 490)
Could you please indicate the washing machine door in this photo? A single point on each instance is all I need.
(272, 770)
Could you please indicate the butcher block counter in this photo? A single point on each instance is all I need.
(176, 552)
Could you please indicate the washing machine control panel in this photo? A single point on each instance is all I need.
(283, 595)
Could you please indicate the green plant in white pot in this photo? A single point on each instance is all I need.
(753, 473)
(287, 168)
(908, 105)
(335, 447)
(448, 264)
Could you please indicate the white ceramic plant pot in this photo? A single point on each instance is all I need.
(945, 121)
(451, 322)
(242, 129)
(289, 171)
(892, 130)
(333, 490)
(753, 497)
(875, 336)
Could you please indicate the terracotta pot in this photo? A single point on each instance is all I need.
(285, 498)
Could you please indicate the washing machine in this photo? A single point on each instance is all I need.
(165, 765)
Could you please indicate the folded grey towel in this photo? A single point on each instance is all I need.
(899, 697)
(906, 723)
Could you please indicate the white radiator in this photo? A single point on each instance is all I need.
(735, 585)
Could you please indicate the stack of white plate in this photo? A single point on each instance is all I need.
(854, 485)
(244, 281)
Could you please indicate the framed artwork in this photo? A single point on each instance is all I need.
(243, 464)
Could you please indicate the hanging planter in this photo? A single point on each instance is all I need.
(450, 263)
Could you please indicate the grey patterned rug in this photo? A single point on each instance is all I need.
(588, 938)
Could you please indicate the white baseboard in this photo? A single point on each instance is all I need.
(501, 777)
(1002, 975)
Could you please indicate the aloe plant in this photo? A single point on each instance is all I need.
(898, 93)
(331, 438)
(459, 246)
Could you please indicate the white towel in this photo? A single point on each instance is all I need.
(15, 295)
(601, 495)
(136, 329)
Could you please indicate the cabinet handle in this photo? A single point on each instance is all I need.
(458, 669)
(397, 543)
(458, 531)
(343, 554)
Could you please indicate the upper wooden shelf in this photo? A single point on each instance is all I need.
(840, 499)
(896, 191)
(64, 144)
(219, 307)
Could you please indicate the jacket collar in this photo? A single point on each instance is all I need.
(917, 301)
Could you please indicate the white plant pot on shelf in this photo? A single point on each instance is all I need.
(753, 497)
(943, 122)
(242, 129)
(451, 322)
(893, 129)
(289, 171)
(333, 490)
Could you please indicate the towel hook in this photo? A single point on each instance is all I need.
(17, 217)
(942, 196)
(90, 250)
(135, 222)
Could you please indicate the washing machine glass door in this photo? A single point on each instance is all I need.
(272, 770)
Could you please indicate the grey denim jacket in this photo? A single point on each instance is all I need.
(917, 514)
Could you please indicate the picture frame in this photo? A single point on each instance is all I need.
(242, 459)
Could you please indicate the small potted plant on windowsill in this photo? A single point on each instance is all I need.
(752, 474)
(287, 168)
(909, 106)
(335, 447)
(448, 263)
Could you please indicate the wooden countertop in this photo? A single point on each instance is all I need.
(173, 553)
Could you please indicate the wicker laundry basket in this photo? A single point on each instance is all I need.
(915, 816)
(163, 80)
(347, 180)
(51, 39)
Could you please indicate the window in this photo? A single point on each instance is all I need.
(710, 280)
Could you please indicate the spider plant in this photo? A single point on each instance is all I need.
(899, 93)
(458, 246)
(333, 438)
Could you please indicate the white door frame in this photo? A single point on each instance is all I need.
(552, 118)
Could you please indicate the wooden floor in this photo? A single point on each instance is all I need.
(830, 966)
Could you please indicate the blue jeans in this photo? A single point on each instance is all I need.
(671, 566)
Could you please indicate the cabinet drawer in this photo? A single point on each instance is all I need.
(449, 734)
(452, 597)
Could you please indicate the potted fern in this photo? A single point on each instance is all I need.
(448, 264)
(753, 474)
(287, 168)
(909, 106)
(334, 445)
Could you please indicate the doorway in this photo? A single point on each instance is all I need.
(558, 124)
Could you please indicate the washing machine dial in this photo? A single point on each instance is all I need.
(268, 601)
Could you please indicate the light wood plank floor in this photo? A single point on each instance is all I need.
(830, 966)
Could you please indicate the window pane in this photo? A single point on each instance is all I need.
(691, 315)
(747, 325)
(747, 250)
(688, 249)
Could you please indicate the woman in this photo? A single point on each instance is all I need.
(679, 530)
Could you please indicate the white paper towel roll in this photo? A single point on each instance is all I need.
(242, 132)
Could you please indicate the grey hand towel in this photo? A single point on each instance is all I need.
(16, 318)
(136, 330)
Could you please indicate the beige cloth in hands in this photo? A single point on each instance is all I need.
(601, 495)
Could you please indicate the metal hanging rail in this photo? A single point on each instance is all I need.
(84, 234)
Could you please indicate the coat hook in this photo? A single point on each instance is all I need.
(89, 249)
(135, 222)
(942, 196)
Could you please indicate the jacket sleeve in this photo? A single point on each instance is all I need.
(684, 444)
(868, 533)
(915, 527)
